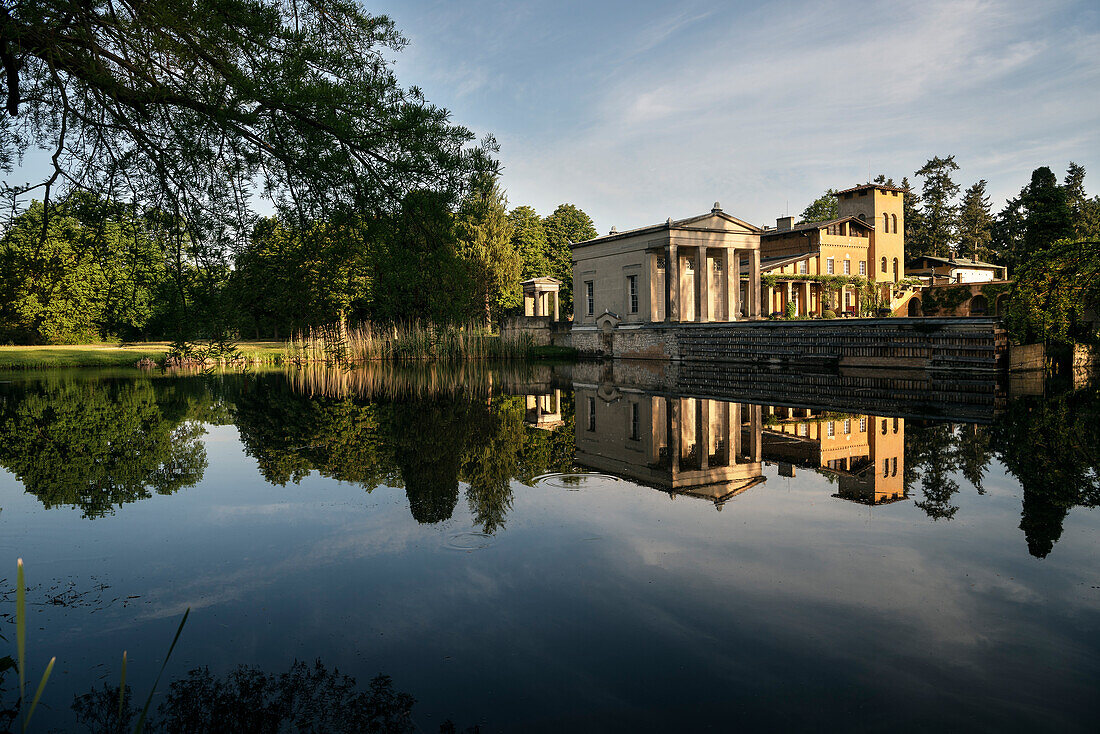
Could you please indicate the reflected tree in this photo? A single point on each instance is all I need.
(930, 460)
(97, 445)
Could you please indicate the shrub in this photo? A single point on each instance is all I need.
(828, 314)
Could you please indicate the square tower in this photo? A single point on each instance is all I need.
(884, 207)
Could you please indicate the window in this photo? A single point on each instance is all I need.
(829, 266)
(883, 426)
(661, 262)
(863, 267)
(634, 422)
(847, 426)
(884, 265)
(830, 429)
(894, 219)
(632, 289)
(863, 425)
(717, 264)
(847, 267)
(592, 414)
(895, 268)
(690, 262)
(863, 193)
(894, 473)
(885, 223)
(804, 267)
(803, 429)
(885, 468)
(590, 297)
(895, 425)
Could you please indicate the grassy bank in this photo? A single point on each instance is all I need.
(113, 355)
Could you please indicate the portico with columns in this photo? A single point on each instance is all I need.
(681, 271)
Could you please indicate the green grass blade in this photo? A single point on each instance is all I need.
(38, 693)
(21, 628)
(122, 690)
(145, 710)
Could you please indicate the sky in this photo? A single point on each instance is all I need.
(638, 111)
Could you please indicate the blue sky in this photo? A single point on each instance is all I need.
(637, 111)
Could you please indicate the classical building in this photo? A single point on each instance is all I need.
(679, 271)
(867, 240)
(707, 449)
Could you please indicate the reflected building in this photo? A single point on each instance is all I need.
(543, 411)
(709, 449)
(865, 453)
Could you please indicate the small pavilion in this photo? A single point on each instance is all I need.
(538, 293)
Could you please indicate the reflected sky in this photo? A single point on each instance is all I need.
(532, 595)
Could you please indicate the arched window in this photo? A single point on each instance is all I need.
(978, 305)
(883, 426)
(884, 265)
(885, 222)
(894, 221)
(895, 425)
(895, 269)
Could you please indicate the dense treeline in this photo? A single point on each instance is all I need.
(96, 269)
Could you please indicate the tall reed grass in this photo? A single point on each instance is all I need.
(414, 380)
(341, 344)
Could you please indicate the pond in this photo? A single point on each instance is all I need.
(567, 548)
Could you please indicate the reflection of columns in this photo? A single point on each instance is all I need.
(726, 457)
(702, 431)
(756, 432)
(672, 283)
(702, 286)
(674, 435)
(733, 284)
(654, 431)
(735, 432)
(754, 285)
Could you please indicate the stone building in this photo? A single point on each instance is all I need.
(679, 271)
(948, 271)
(867, 240)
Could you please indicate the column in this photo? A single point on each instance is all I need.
(651, 264)
(727, 437)
(557, 297)
(735, 431)
(654, 434)
(806, 298)
(756, 435)
(672, 283)
(674, 434)
(733, 283)
(702, 432)
(754, 285)
(790, 295)
(702, 286)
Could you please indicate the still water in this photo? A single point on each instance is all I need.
(553, 549)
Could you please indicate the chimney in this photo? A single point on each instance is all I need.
(784, 223)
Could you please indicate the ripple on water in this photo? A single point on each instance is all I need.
(468, 540)
(573, 481)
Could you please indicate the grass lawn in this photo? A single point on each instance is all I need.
(110, 355)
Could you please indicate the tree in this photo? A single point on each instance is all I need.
(1084, 211)
(1048, 216)
(914, 222)
(976, 223)
(936, 228)
(189, 108)
(823, 208)
(529, 240)
(567, 224)
(1008, 234)
(1056, 289)
(485, 244)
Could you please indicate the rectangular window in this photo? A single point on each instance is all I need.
(847, 427)
(863, 267)
(635, 422)
(592, 414)
(804, 267)
(847, 267)
(590, 297)
(863, 425)
(803, 429)
(847, 300)
(632, 289)
(829, 266)
(831, 429)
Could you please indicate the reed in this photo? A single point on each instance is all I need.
(341, 344)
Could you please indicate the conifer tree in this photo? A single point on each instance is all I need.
(939, 214)
(975, 223)
(912, 216)
(485, 244)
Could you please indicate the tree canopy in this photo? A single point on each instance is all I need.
(823, 208)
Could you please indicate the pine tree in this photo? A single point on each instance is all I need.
(975, 223)
(1085, 211)
(1049, 217)
(914, 223)
(939, 213)
(485, 244)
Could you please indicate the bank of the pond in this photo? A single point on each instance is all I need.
(128, 355)
(114, 355)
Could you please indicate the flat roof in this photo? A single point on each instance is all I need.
(883, 187)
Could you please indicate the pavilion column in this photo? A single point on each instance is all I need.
(672, 283)
(702, 431)
(557, 299)
(790, 295)
(754, 285)
(805, 298)
(540, 308)
(702, 286)
(733, 284)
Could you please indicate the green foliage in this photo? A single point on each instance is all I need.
(791, 311)
(485, 245)
(934, 231)
(1048, 217)
(822, 209)
(1057, 295)
(944, 298)
(567, 224)
(976, 224)
(914, 220)
(529, 240)
(828, 314)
